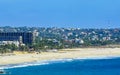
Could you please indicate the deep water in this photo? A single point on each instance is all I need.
(71, 67)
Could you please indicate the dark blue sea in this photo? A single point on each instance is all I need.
(106, 66)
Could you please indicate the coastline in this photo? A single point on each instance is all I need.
(76, 53)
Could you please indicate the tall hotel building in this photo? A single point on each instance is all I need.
(16, 38)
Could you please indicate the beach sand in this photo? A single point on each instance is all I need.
(62, 54)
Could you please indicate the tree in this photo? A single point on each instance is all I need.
(23, 48)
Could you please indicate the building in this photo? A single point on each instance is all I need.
(16, 38)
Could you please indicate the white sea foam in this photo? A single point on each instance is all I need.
(97, 58)
(61, 60)
(22, 65)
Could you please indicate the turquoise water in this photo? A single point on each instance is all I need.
(67, 67)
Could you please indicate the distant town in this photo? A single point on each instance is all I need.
(58, 38)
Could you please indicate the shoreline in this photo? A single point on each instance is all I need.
(76, 53)
(46, 62)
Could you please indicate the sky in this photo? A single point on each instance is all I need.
(60, 13)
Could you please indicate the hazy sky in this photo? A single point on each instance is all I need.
(60, 13)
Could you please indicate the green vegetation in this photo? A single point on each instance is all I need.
(8, 48)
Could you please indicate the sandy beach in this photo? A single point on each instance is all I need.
(64, 53)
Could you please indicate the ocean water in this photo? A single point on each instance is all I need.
(106, 66)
